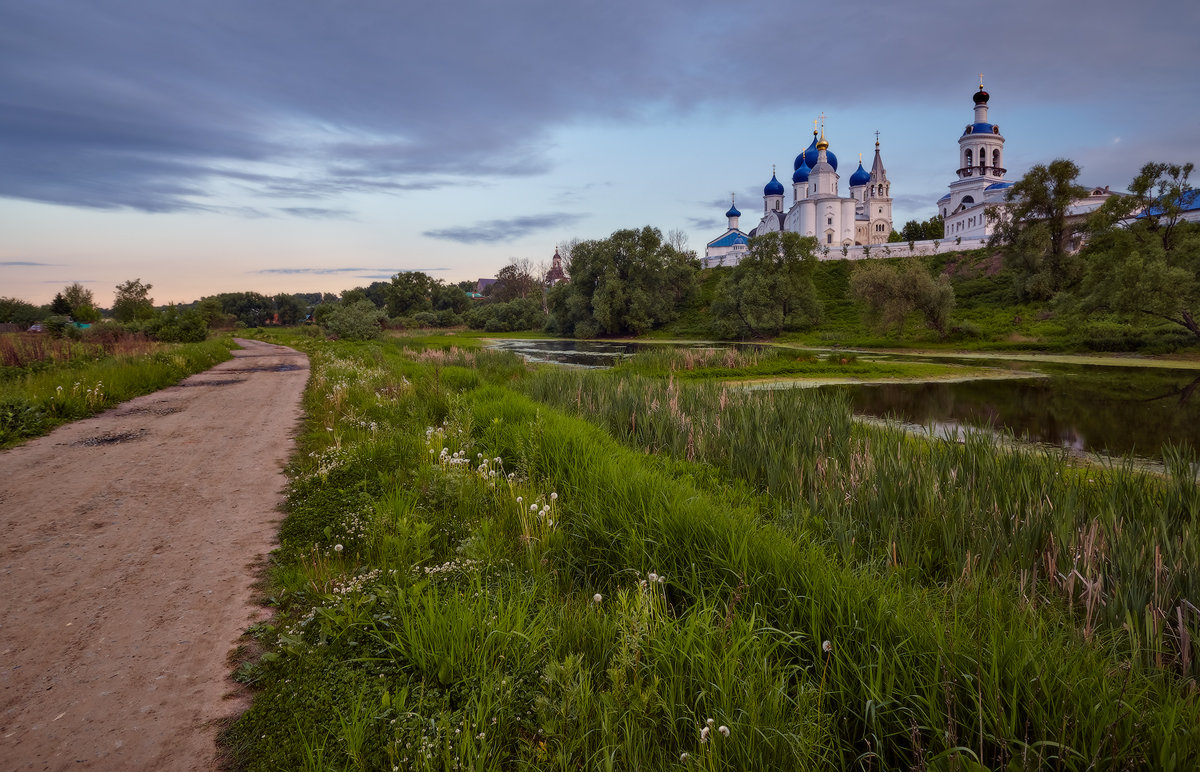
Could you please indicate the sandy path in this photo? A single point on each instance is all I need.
(129, 549)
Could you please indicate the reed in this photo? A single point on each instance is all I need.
(663, 613)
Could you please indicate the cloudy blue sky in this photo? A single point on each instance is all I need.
(298, 145)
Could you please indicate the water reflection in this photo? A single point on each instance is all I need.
(571, 353)
(1084, 408)
(1109, 410)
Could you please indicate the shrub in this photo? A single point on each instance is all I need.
(358, 321)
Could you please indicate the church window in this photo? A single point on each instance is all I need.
(829, 221)
(969, 157)
(996, 157)
(828, 238)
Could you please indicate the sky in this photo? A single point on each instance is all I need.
(305, 145)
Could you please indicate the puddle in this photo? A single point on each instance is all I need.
(109, 438)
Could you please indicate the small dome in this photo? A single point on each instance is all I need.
(773, 188)
(733, 212)
(860, 177)
(981, 128)
(944, 198)
(981, 97)
(998, 185)
(808, 156)
(801, 173)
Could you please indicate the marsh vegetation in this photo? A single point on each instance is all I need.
(487, 567)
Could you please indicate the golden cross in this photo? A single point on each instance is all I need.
(981, 80)
(814, 125)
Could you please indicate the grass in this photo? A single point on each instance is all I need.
(472, 577)
(771, 363)
(56, 390)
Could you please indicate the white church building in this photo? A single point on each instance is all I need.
(818, 210)
(980, 182)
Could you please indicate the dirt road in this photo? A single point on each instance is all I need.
(129, 551)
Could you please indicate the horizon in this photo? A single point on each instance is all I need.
(287, 148)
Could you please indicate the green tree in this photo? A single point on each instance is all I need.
(250, 308)
(518, 279)
(1142, 259)
(132, 301)
(289, 309)
(15, 311)
(449, 297)
(889, 296)
(626, 284)
(770, 290)
(923, 230)
(1034, 229)
(83, 303)
(410, 293)
(60, 306)
(359, 320)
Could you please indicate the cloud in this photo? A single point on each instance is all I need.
(316, 212)
(161, 107)
(16, 263)
(705, 223)
(490, 231)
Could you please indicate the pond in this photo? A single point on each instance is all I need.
(1115, 410)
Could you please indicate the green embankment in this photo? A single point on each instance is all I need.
(33, 403)
(487, 568)
(987, 315)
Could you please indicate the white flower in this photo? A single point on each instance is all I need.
(704, 735)
(597, 598)
(683, 757)
(533, 507)
(519, 499)
(653, 577)
(710, 722)
(723, 730)
(826, 647)
(553, 496)
(337, 548)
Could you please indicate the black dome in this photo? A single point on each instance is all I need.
(981, 96)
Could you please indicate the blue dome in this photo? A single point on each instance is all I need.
(808, 156)
(811, 155)
(773, 188)
(998, 185)
(860, 177)
(733, 212)
(981, 128)
(801, 173)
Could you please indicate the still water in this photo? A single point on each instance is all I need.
(1111, 410)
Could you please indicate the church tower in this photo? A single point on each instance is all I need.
(979, 182)
(877, 204)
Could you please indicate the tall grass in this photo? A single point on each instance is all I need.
(35, 402)
(1120, 547)
(469, 578)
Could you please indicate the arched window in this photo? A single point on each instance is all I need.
(996, 157)
(969, 158)
(982, 157)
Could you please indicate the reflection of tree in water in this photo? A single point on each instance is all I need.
(1117, 410)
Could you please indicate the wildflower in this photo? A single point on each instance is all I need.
(704, 735)
(710, 722)
(533, 507)
(683, 757)
(554, 497)
(826, 646)
(723, 730)
(597, 598)
(337, 548)
(520, 499)
(653, 577)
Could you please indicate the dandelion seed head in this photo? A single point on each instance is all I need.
(597, 598)
(723, 730)
(826, 646)
(337, 548)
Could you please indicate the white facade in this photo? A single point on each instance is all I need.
(730, 247)
(818, 209)
(980, 182)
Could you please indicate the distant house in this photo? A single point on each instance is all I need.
(1189, 207)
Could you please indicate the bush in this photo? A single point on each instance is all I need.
(519, 314)
(174, 326)
(360, 320)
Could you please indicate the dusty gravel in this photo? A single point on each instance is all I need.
(130, 546)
